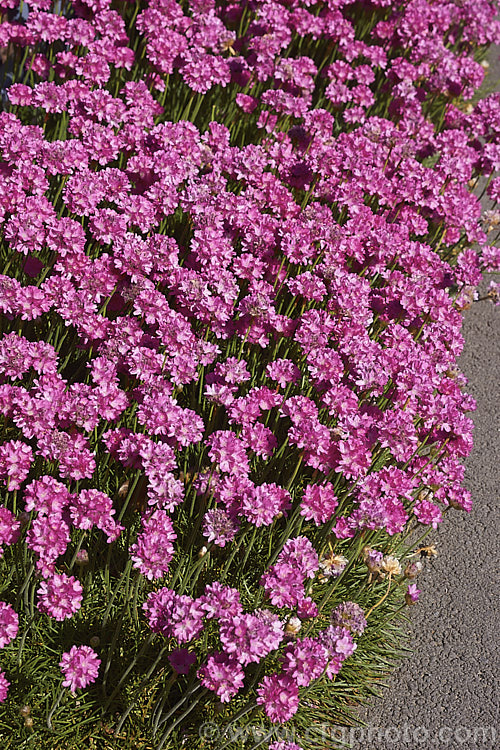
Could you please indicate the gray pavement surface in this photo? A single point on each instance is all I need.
(445, 696)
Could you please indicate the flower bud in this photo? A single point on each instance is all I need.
(24, 519)
(413, 569)
(123, 490)
(373, 559)
(82, 558)
(95, 641)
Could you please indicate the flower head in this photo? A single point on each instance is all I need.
(152, 552)
(9, 624)
(390, 565)
(219, 527)
(349, 615)
(279, 695)
(181, 660)
(4, 687)
(333, 565)
(223, 675)
(60, 596)
(80, 667)
(412, 594)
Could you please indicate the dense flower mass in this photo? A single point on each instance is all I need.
(236, 242)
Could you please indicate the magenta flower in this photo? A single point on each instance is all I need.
(9, 624)
(9, 528)
(15, 462)
(60, 596)
(305, 660)
(4, 687)
(228, 451)
(250, 637)
(412, 594)
(153, 551)
(181, 660)
(349, 615)
(279, 695)
(223, 675)
(174, 615)
(300, 553)
(283, 584)
(318, 503)
(266, 502)
(219, 527)
(80, 667)
(220, 601)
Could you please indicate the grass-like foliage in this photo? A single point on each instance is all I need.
(236, 240)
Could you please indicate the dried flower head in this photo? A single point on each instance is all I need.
(293, 626)
(349, 615)
(332, 565)
(413, 569)
(372, 559)
(390, 565)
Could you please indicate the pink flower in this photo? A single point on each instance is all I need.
(412, 594)
(219, 527)
(15, 463)
(283, 584)
(250, 637)
(305, 660)
(228, 451)
(265, 503)
(80, 667)
(9, 528)
(220, 601)
(173, 615)
(428, 513)
(9, 624)
(300, 553)
(283, 371)
(279, 695)
(60, 596)
(181, 660)
(94, 508)
(318, 503)
(223, 675)
(4, 687)
(153, 551)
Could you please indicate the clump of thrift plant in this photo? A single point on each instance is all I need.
(236, 242)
